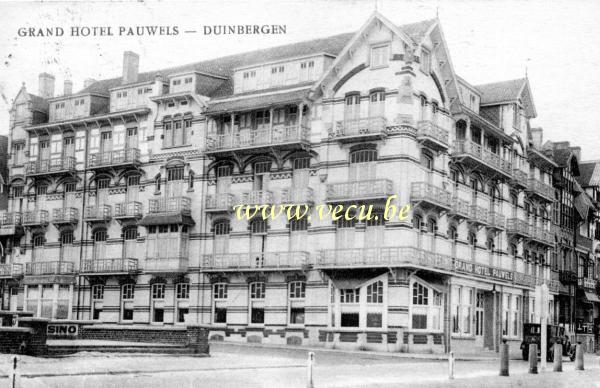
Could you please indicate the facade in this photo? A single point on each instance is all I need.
(122, 198)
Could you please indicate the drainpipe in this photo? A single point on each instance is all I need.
(84, 228)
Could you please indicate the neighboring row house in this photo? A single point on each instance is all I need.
(122, 195)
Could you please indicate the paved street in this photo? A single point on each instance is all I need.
(246, 366)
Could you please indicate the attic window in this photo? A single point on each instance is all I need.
(183, 103)
(171, 104)
(380, 56)
(188, 80)
(176, 82)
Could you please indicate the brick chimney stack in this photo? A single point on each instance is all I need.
(131, 63)
(46, 85)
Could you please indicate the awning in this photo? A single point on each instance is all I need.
(592, 297)
(256, 102)
(166, 219)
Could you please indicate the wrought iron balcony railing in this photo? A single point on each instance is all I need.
(50, 268)
(11, 219)
(255, 261)
(541, 189)
(479, 215)
(97, 213)
(251, 138)
(517, 227)
(12, 270)
(541, 235)
(584, 242)
(460, 208)
(479, 153)
(181, 205)
(496, 220)
(220, 202)
(368, 126)
(429, 193)
(128, 156)
(355, 190)
(51, 166)
(520, 177)
(567, 277)
(35, 217)
(432, 132)
(294, 195)
(166, 264)
(525, 280)
(131, 209)
(258, 197)
(109, 266)
(65, 215)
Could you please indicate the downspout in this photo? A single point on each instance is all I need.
(84, 225)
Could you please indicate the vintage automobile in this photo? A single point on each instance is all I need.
(532, 334)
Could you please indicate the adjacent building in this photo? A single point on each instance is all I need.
(122, 198)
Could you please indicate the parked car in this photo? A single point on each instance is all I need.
(532, 334)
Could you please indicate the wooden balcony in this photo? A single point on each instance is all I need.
(35, 218)
(10, 223)
(520, 178)
(363, 129)
(517, 228)
(55, 166)
(427, 195)
(65, 216)
(175, 264)
(459, 209)
(496, 220)
(109, 266)
(476, 156)
(50, 268)
(128, 210)
(285, 137)
(257, 197)
(541, 190)
(432, 135)
(170, 205)
(478, 216)
(374, 189)
(220, 202)
(94, 213)
(382, 257)
(260, 261)
(114, 159)
(297, 196)
(11, 271)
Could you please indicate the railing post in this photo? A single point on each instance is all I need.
(451, 366)
(504, 359)
(579, 356)
(309, 370)
(15, 375)
(557, 358)
(533, 369)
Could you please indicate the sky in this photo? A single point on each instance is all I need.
(557, 43)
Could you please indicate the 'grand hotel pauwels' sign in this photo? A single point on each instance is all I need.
(483, 270)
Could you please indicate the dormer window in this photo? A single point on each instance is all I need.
(249, 80)
(307, 70)
(277, 75)
(176, 82)
(188, 80)
(59, 105)
(380, 56)
(425, 61)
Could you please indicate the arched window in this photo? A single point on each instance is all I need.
(453, 236)
(221, 227)
(130, 233)
(38, 240)
(257, 302)
(425, 308)
(427, 160)
(258, 226)
(100, 235)
(66, 237)
(472, 239)
(375, 292)
(417, 222)
(157, 182)
(363, 165)
(431, 225)
(191, 180)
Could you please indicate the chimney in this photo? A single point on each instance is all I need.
(46, 85)
(577, 152)
(87, 82)
(537, 137)
(158, 84)
(68, 87)
(131, 62)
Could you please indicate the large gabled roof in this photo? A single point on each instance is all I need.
(501, 92)
(589, 174)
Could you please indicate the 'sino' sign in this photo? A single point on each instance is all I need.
(62, 329)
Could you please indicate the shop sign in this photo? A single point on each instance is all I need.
(62, 329)
(483, 270)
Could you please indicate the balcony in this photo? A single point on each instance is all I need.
(100, 213)
(257, 197)
(35, 218)
(496, 220)
(459, 209)
(220, 202)
(374, 189)
(477, 156)
(170, 205)
(11, 271)
(55, 166)
(584, 242)
(10, 223)
(65, 216)
(520, 178)
(541, 235)
(432, 135)
(525, 280)
(109, 266)
(428, 195)
(260, 261)
(166, 264)
(587, 283)
(567, 277)
(297, 196)
(517, 228)
(286, 137)
(128, 210)
(369, 128)
(50, 268)
(110, 159)
(554, 286)
(478, 215)
(540, 189)
(382, 257)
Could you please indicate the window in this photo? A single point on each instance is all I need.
(511, 306)
(277, 75)
(97, 300)
(98, 292)
(307, 71)
(41, 190)
(176, 82)
(66, 237)
(38, 240)
(257, 308)
(258, 226)
(425, 61)
(426, 308)
(175, 174)
(182, 290)
(349, 296)
(351, 108)
(462, 300)
(188, 80)
(103, 183)
(379, 56)
(157, 183)
(17, 191)
(220, 300)
(377, 104)
(158, 296)
(375, 292)
(220, 290)
(158, 291)
(127, 295)
(249, 80)
(191, 181)
(257, 290)
(427, 160)
(18, 154)
(297, 290)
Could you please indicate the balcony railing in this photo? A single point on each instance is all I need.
(520, 177)
(257, 197)
(131, 209)
(256, 261)
(367, 189)
(460, 208)
(295, 195)
(525, 280)
(68, 215)
(541, 235)
(515, 226)
(496, 220)
(429, 193)
(479, 215)
(541, 189)
(584, 242)
(50, 268)
(35, 217)
(182, 205)
(11, 270)
(250, 138)
(220, 202)
(382, 257)
(11, 219)
(51, 166)
(97, 213)
(114, 158)
(109, 266)
(478, 152)
(432, 133)
(359, 127)
(166, 264)
(587, 283)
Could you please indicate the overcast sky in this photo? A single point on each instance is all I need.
(558, 42)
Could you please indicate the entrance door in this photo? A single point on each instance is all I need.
(479, 317)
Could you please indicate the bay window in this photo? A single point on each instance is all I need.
(425, 309)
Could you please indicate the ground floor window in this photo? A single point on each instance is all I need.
(182, 295)
(462, 305)
(220, 302)
(425, 307)
(257, 303)
(97, 300)
(127, 295)
(511, 308)
(49, 300)
(158, 302)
